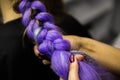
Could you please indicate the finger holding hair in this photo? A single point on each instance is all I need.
(73, 69)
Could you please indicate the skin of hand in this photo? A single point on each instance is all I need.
(104, 54)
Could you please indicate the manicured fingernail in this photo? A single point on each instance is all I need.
(72, 59)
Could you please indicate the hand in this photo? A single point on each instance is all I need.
(104, 54)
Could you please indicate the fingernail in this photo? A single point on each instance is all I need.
(72, 59)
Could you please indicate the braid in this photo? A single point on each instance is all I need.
(42, 29)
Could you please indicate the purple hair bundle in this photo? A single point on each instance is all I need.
(41, 28)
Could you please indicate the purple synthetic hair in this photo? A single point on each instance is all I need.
(41, 28)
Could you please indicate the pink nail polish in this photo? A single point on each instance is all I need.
(72, 59)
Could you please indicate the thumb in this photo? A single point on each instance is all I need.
(74, 68)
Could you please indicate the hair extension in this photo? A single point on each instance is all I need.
(41, 28)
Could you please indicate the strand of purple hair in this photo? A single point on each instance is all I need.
(42, 29)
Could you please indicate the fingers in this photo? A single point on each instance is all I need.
(36, 51)
(46, 62)
(73, 69)
(41, 56)
(79, 57)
